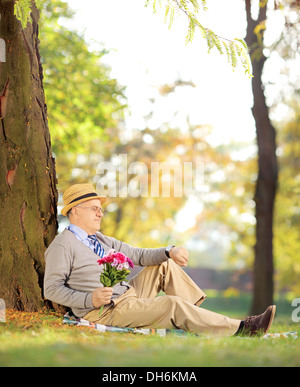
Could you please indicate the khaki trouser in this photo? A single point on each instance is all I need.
(178, 309)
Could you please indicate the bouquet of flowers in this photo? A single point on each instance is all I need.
(116, 269)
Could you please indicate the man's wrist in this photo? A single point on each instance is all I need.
(168, 250)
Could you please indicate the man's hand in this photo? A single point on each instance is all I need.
(101, 296)
(180, 256)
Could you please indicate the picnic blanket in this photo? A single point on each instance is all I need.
(282, 335)
(70, 319)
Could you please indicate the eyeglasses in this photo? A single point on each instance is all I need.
(96, 210)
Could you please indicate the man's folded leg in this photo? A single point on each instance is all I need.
(171, 279)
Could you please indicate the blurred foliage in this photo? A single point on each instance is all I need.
(83, 101)
(86, 108)
(229, 211)
(152, 218)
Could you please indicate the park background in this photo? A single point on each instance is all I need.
(181, 104)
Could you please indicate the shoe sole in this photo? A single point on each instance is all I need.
(271, 318)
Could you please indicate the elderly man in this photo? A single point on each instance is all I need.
(72, 279)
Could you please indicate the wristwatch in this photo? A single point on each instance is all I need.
(168, 249)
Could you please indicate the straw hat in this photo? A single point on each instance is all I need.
(79, 193)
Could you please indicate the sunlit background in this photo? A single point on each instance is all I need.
(146, 54)
(183, 104)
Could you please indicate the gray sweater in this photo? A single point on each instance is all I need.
(72, 272)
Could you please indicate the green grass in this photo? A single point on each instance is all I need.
(40, 339)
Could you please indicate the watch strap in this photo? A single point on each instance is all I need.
(168, 249)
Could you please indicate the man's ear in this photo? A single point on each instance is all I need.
(73, 212)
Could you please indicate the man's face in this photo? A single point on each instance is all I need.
(87, 215)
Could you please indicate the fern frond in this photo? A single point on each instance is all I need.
(22, 10)
(244, 44)
(172, 15)
(191, 31)
(236, 50)
(154, 5)
(195, 5)
(204, 5)
(232, 50)
(243, 52)
(213, 41)
(226, 49)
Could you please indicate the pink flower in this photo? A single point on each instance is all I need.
(109, 259)
(116, 260)
(121, 257)
(114, 263)
(106, 259)
(130, 262)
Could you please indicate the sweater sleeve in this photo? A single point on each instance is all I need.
(58, 269)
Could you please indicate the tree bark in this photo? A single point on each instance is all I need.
(266, 184)
(28, 195)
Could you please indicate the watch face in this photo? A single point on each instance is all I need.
(168, 249)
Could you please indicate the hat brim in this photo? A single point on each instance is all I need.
(67, 208)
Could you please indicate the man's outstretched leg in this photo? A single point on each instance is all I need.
(139, 306)
(172, 312)
(170, 278)
(164, 312)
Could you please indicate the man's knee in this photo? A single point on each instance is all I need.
(169, 266)
(173, 301)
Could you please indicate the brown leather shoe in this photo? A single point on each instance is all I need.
(257, 325)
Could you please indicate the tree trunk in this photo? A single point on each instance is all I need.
(266, 185)
(28, 196)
